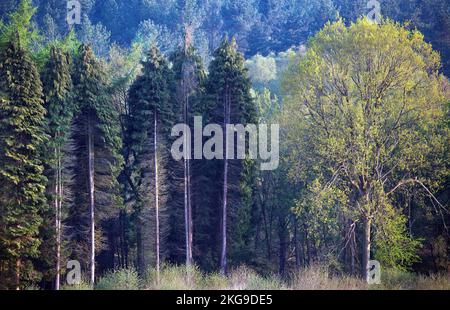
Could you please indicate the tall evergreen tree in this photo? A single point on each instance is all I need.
(57, 85)
(22, 198)
(230, 102)
(96, 138)
(148, 128)
(189, 79)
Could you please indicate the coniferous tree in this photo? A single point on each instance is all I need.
(57, 86)
(230, 102)
(189, 80)
(22, 198)
(97, 163)
(150, 114)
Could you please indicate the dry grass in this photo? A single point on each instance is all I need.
(318, 278)
(400, 280)
(244, 278)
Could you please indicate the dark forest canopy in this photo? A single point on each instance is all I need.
(87, 112)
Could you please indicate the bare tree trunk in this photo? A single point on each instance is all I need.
(366, 247)
(58, 196)
(296, 243)
(282, 250)
(155, 145)
(140, 246)
(91, 197)
(190, 221)
(18, 266)
(187, 176)
(223, 256)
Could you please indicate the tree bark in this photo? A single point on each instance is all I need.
(187, 174)
(56, 221)
(155, 145)
(58, 195)
(91, 197)
(140, 246)
(283, 248)
(298, 262)
(366, 247)
(223, 256)
(18, 266)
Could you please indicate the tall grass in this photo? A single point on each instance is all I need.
(244, 278)
(401, 280)
(318, 278)
(123, 279)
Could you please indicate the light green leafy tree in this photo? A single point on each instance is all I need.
(363, 112)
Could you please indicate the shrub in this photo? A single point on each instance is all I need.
(214, 281)
(174, 278)
(122, 279)
(243, 278)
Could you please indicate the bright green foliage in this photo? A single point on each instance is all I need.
(394, 247)
(122, 279)
(69, 45)
(22, 198)
(20, 26)
(364, 107)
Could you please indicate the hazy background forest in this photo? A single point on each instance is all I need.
(86, 173)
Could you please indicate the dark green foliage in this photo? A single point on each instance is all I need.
(57, 87)
(95, 117)
(149, 97)
(22, 199)
(189, 80)
(228, 82)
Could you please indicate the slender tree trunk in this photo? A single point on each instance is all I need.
(155, 145)
(91, 197)
(223, 256)
(139, 246)
(58, 197)
(267, 233)
(190, 221)
(18, 266)
(366, 247)
(308, 246)
(187, 178)
(283, 248)
(296, 243)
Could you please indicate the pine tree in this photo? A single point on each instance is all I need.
(96, 139)
(230, 102)
(148, 128)
(57, 85)
(22, 198)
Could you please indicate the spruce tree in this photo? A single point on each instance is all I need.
(148, 130)
(189, 85)
(229, 102)
(57, 86)
(22, 195)
(97, 163)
